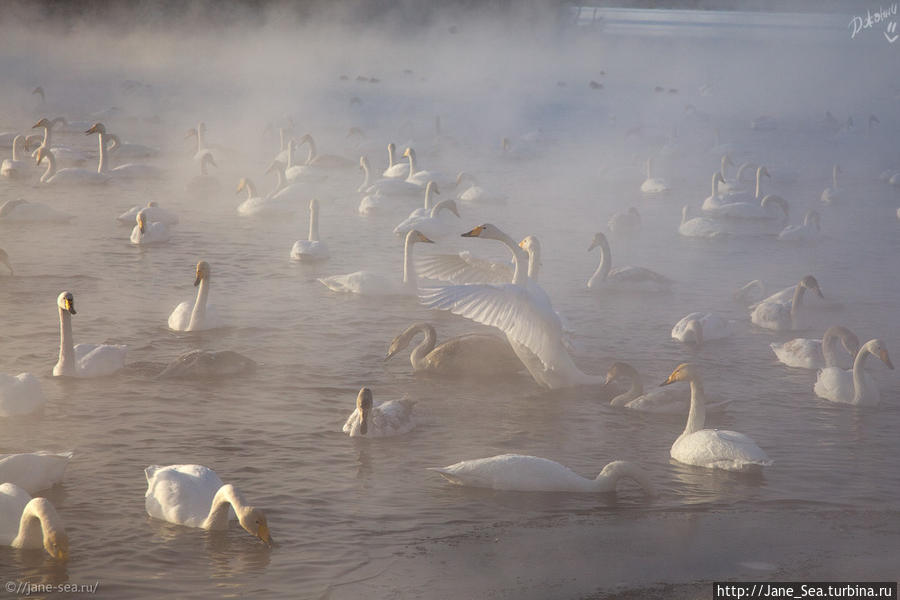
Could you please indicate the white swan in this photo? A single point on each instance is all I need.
(19, 395)
(370, 204)
(702, 227)
(521, 310)
(854, 386)
(368, 283)
(833, 194)
(780, 313)
(311, 249)
(421, 178)
(23, 211)
(305, 173)
(152, 212)
(4, 260)
(62, 152)
(256, 205)
(803, 353)
(431, 190)
(15, 167)
(394, 417)
(126, 171)
(728, 185)
(431, 225)
(752, 210)
(751, 292)
(711, 448)
(198, 315)
(83, 360)
(121, 149)
(807, 231)
(201, 149)
(396, 169)
(699, 327)
(715, 199)
(653, 185)
(660, 400)
(635, 278)
(204, 183)
(146, 232)
(34, 471)
(473, 354)
(474, 193)
(31, 523)
(68, 176)
(194, 496)
(387, 186)
(324, 161)
(516, 472)
(741, 196)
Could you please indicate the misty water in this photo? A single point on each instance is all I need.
(357, 516)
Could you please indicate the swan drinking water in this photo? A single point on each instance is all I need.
(199, 315)
(83, 360)
(390, 418)
(854, 386)
(31, 523)
(473, 354)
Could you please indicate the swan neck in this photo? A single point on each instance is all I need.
(251, 190)
(722, 168)
(51, 167)
(611, 474)
(290, 154)
(101, 167)
(392, 160)
(227, 497)
(417, 356)
(314, 223)
(66, 364)
(715, 187)
(829, 348)
(201, 138)
(758, 184)
(15, 149)
(534, 263)
(35, 522)
(520, 272)
(636, 390)
(648, 168)
(795, 303)
(429, 198)
(412, 164)
(697, 415)
(859, 382)
(409, 270)
(605, 263)
(198, 314)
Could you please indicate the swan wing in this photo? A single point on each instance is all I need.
(181, 316)
(99, 360)
(392, 418)
(462, 268)
(835, 384)
(19, 394)
(801, 353)
(181, 494)
(34, 471)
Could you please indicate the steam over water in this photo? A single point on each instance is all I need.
(358, 517)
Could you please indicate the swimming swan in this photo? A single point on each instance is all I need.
(146, 232)
(396, 169)
(808, 231)
(833, 194)
(516, 472)
(431, 190)
(15, 167)
(31, 523)
(702, 227)
(803, 353)
(653, 185)
(19, 395)
(711, 448)
(776, 312)
(699, 327)
(421, 178)
(386, 186)
(34, 471)
(194, 496)
(199, 315)
(670, 401)
(152, 212)
(68, 176)
(473, 354)
(23, 211)
(126, 171)
(83, 360)
(311, 249)
(625, 223)
(431, 225)
(390, 418)
(324, 161)
(637, 278)
(854, 386)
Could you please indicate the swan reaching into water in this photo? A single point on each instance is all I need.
(198, 315)
(653, 185)
(394, 417)
(702, 227)
(31, 523)
(396, 169)
(636, 278)
(152, 212)
(711, 448)
(809, 230)
(23, 211)
(15, 167)
(34, 471)
(699, 327)
(19, 395)
(431, 225)
(854, 386)
(146, 232)
(194, 496)
(67, 176)
(670, 401)
(780, 312)
(83, 360)
(311, 249)
(516, 472)
(803, 353)
(473, 354)
(625, 223)
(368, 283)
(832, 195)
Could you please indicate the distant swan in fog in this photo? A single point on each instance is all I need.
(781, 313)
(735, 196)
(625, 223)
(311, 249)
(387, 186)
(752, 210)
(854, 386)
(31, 523)
(803, 353)
(34, 471)
(390, 418)
(421, 178)
(474, 193)
(711, 448)
(201, 149)
(653, 185)
(68, 176)
(700, 226)
(126, 171)
(194, 496)
(23, 211)
(19, 395)
(207, 364)
(660, 400)
(15, 167)
(473, 354)
(636, 278)
(751, 292)
(715, 199)
(83, 360)
(147, 232)
(431, 224)
(324, 161)
(516, 472)
(396, 169)
(833, 194)
(699, 327)
(807, 231)
(204, 183)
(197, 315)
(368, 283)
(152, 212)
(728, 185)
(121, 149)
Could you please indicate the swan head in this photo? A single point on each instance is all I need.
(486, 231)
(761, 170)
(44, 122)
(693, 332)
(810, 283)
(364, 404)
(364, 163)
(151, 204)
(96, 128)
(619, 369)
(717, 177)
(192, 132)
(202, 272)
(409, 152)
(4, 259)
(683, 372)
(242, 185)
(414, 236)
(878, 348)
(253, 520)
(66, 301)
(530, 244)
(141, 219)
(599, 240)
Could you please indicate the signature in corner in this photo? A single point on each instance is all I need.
(891, 34)
(882, 15)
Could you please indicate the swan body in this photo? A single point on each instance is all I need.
(701, 327)
(711, 448)
(126, 171)
(294, 173)
(152, 212)
(635, 278)
(625, 223)
(324, 161)
(803, 353)
(31, 523)
(701, 227)
(805, 232)
(726, 186)
(194, 496)
(23, 211)
(751, 292)
(121, 149)
(716, 199)
(15, 167)
(396, 169)
(83, 360)
(832, 195)
(256, 205)
(431, 226)
(147, 232)
(777, 313)
(34, 471)
(370, 204)
(198, 315)
(394, 417)
(68, 176)
(661, 400)
(19, 395)
(722, 198)
(516, 472)
(311, 249)
(368, 283)
(474, 193)
(431, 190)
(421, 178)
(206, 364)
(469, 355)
(653, 185)
(387, 186)
(855, 386)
